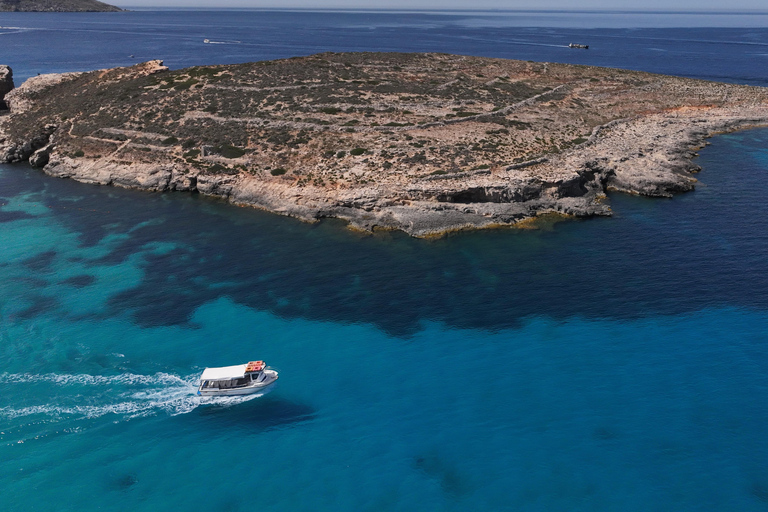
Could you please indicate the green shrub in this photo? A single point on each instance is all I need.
(357, 151)
(79, 153)
(183, 86)
(278, 172)
(170, 141)
(230, 151)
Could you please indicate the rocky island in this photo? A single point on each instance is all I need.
(56, 6)
(424, 143)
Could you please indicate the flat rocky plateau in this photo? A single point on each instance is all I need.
(424, 143)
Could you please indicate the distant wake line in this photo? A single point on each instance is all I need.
(127, 395)
(208, 41)
(13, 30)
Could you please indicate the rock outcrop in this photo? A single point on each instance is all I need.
(6, 84)
(425, 143)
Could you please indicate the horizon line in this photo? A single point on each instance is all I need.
(463, 11)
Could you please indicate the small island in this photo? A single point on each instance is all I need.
(56, 6)
(423, 143)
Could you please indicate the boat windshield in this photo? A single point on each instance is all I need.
(225, 384)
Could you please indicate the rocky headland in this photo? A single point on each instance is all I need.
(56, 6)
(424, 143)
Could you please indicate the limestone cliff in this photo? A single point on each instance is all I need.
(425, 143)
(6, 84)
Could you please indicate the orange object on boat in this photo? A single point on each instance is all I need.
(254, 366)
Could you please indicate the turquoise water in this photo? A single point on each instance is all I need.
(597, 365)
(608, 364)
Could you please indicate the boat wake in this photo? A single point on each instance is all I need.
(208, 41)
(13, 30)
(124, 396)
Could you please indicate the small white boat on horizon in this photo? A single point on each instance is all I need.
(241, 379)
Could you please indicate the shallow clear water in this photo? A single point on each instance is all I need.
(606, 364)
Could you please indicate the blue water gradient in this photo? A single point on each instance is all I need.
(605, 364)
(608, 364)
(728, 47)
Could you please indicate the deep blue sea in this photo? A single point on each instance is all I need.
(611, 364)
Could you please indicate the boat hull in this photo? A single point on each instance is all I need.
(241, 391)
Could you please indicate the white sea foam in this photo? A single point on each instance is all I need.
(161, 392)
(93, 380)
(14, 30)
(223, 42)
(118, 395)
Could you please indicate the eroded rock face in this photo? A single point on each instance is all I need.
(425, 143)
(6, 84)
(41, 157)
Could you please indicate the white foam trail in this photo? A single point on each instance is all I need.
(163, 392)
(14, 30)
(226, 401)
(129, 409)
(92, 380)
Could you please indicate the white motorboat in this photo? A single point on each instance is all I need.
(241, 379)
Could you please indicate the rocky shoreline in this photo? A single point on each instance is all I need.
(423, 143)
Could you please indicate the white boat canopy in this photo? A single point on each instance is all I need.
(225, 372)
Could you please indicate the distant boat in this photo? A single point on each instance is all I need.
(577, 45)
(206, 40)
(241, 379)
